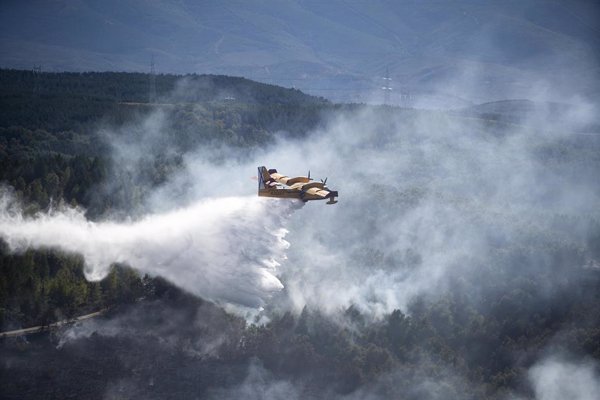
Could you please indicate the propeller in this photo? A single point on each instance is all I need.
(309, 174)
(324, 181)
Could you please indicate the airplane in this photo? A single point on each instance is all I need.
(273, 184)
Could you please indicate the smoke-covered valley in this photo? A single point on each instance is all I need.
(462, 261)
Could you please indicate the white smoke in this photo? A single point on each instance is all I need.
(223, 249)
(425, 198)
(556, 378)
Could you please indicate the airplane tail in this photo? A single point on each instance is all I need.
(263, 178)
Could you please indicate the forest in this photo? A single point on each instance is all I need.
(475, 339)
(51, 151)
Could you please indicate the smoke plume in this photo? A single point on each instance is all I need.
(556, 377)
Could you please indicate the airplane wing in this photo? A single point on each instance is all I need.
(279, 178)
(286, 180)
(318, 192)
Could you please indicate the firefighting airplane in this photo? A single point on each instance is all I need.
(273, 184)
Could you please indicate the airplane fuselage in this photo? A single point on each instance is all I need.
(273, 184)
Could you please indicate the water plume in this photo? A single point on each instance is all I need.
(227, 250)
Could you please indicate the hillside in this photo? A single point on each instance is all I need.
(53, 121)
(79, 102)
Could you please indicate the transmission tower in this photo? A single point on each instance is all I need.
(387, 88)
(152, 83)
(37, 72)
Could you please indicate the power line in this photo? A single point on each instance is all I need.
(152, 83)
(37, 71)
(387, 88)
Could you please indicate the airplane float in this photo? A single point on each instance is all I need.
(273, 184)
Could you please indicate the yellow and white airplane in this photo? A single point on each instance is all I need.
(273, 184)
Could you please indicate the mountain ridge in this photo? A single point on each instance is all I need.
(322, 48)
